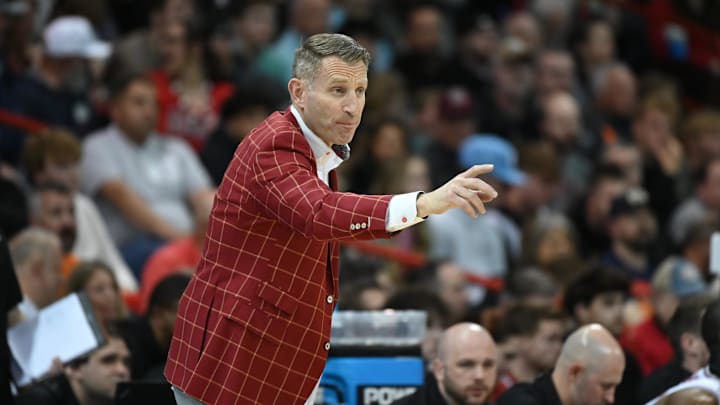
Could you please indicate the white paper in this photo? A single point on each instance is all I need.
(715, 253)
(64, 330)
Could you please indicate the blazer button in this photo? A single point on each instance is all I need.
(329, 299)
(327, 345)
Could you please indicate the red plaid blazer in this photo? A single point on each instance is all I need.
(254, 323)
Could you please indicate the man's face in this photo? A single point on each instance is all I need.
(135, 110)
(607, 310)
(468, 373)
(452, 288)
(57, 214)
(106, 367)
(332, 102)
(543, 348)
(595, 384)
(636, 230)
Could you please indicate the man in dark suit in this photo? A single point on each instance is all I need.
(253, 326)
(587, 372)
(464, 370)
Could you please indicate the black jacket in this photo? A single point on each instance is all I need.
(540, 392)
(53, 391)
(428, 394)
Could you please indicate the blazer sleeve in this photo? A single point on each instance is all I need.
(288, 189)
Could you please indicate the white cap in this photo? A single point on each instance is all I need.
(73, 36)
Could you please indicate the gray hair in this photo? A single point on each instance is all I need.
(320, 46)
(30, 244)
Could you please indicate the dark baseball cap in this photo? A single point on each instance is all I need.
(456, 103)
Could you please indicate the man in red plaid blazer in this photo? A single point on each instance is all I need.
(253, 326)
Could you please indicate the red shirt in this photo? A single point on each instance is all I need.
(168, 260)
(192, 123)
(649, 344)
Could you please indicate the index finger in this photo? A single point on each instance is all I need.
(477, 170)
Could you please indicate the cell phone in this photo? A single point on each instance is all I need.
(715, 253)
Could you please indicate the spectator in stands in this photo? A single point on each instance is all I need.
(97, 280)
(550, 243)
(477, 41)
(554, 72)
(453, 124)
(52, 209)
(633, 233)
(532, 287)
(590, 214)
(37, 257)
(139, 51)
(54, 156)
(189, 102)
(464, 370)
(614, 90)
(587, 372)
(148, 337)
(240, 113)
(703, 205)
(538, 333)
(675, 280)
(701, 138)
(506, 106)
(598, 295)
(385, 148)
(305, 18)
(448, 280)
(593, 44)
(237, 43)
(177, 256)
(59, 93)
(485, 245)
(91, 380)
(560, 125)
(424, 60)
(147, 186)
(691, 352)
(653, 131)
(626, 157)
(707, 378)
(524, 26)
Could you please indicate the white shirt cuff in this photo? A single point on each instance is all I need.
(402, 212)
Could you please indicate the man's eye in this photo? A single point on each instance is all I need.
(360, 91)
(338, 90)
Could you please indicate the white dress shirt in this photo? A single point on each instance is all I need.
(402, 210)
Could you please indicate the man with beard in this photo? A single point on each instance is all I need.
(52, 208)
(464, 370)
(587, 372)
(633, 230)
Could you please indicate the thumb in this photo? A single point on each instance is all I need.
(477, 170)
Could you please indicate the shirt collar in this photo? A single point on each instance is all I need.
(325, 157)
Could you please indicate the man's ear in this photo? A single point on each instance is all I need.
(574, 372)
(296, 88)
(438, 367)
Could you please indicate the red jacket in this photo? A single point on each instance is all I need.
(254, 323)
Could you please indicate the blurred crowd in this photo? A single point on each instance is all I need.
(119, 117)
